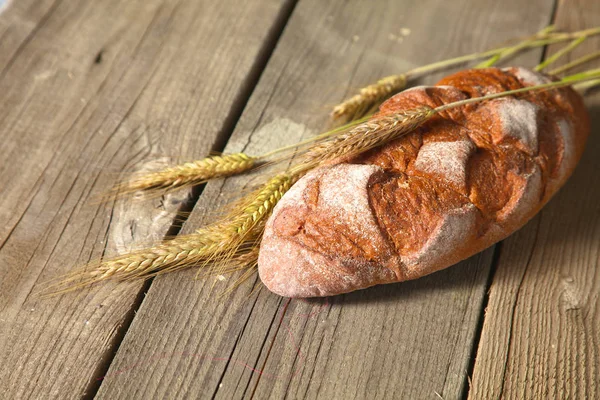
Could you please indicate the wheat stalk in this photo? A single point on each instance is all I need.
(575, 63)
(530, 43)
(565, 50)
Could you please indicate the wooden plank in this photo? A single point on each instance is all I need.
(89, 89)
(408, 340)
(542, 324)
(19, 24)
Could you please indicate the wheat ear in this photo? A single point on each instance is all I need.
(190, 173)
(366, 136)
(183, 250)
(258, 205)
(369, 95)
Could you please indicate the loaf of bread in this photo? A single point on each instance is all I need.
(460, 183)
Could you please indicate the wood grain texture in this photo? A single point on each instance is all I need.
(90, 89)
(407, 340)
(541, 333)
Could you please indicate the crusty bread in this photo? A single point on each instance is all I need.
(463, 181)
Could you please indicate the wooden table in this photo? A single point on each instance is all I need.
(89, 89)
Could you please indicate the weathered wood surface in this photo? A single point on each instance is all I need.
(541, 334)
(88, 89)
(409, 340)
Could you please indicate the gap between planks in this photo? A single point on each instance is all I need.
(494, 266)
(542, 268)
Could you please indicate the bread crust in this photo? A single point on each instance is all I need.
(461, 182)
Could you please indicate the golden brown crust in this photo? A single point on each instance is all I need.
(455, 186)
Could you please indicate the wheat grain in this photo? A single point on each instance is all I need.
(191, 173)
(261, 203)
(368, 135)
(369, 96)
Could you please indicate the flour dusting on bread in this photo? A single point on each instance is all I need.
(527, 194)
(452, 232)
(344, 195)
(519, 121)
(569, 154)
(446, 160)
(528, 77)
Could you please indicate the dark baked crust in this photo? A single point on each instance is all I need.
(458, 184)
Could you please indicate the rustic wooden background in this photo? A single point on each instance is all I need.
(89, 89)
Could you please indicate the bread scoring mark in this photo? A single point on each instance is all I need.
(454, 230)
(344, 193)
(528, 77)
(421, 88)
(446, 160)
(519, 122)
(568, 156)
(525, 199)
(295, 195)
(425, 89)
